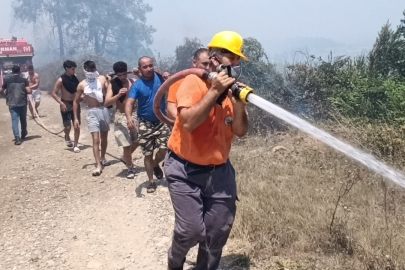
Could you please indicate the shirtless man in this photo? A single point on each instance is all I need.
(117, 93)
(98, 117)
(67, 84)
(33, 80)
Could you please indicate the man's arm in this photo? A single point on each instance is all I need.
(171, 110)
(192, 117)
(129, 106)
(110, 99)
(3, 88)
(240, 118)
(56, 89)
(76, 104)
(36, 80)
(27, 87)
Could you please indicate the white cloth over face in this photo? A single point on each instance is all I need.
(93, 88)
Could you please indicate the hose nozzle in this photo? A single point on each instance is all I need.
(241, 92)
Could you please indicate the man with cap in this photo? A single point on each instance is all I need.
(200, 177)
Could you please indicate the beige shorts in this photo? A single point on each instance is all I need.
(125, 137)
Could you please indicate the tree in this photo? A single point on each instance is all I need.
(387, 58)
(258, 72)
(185, 53)
(117, 28)
(58, 12)
(114, 28)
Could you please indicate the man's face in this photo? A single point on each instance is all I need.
(230, 59)
(146, 68)
(70, 71)
(122, 76)
(31, 71)
(202, 62)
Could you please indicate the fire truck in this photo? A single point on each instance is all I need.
(14, 51)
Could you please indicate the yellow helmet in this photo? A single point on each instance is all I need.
(230, 41)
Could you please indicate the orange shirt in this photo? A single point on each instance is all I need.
(173, 91)
(210, 143)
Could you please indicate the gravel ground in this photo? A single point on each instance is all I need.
(55, 215)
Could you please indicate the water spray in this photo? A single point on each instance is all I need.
(246, 95)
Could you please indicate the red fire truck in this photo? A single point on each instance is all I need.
(14, 51)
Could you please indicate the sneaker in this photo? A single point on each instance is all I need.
(76, 149)
(130, 173)
(17, 141)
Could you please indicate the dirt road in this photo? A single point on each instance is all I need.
(55, 215)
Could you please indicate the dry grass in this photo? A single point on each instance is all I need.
(288, 196)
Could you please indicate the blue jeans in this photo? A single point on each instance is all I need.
(19, 114)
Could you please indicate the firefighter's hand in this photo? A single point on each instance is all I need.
(76, 124)
(63, 107)
(123, 92)
(221, 82)
(131, 123)
(236, 101)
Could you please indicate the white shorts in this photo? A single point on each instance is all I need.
(36, 95)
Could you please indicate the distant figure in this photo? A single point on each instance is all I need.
(153, 134)
(34, 80)
(117, 93)
(200, 60)
(67, 84)
(98, 117)
(16, 97)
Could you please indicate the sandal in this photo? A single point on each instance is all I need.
(105, 163)
(96, 172)
(151, 187)
(158, 172)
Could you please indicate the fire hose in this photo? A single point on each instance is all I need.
(238, 91)
(38, 120)
(246, 95)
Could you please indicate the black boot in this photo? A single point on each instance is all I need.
(23, 135)
(17, 141)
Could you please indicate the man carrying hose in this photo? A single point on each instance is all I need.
(200, 60)
(152, 133)
(67, 85)
(117, 92)
(33, 80)
(201, 179)
(98, 117)
(16, 97)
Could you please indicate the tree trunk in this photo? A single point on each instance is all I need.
(60, 30)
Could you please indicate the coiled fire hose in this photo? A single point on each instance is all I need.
(240, 92)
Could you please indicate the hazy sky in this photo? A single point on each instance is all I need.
(279, 25)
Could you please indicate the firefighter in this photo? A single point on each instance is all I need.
(200, 177)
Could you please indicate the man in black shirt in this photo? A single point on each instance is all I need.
(17, 89)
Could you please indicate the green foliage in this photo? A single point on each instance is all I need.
(387, 59)
(185, 53)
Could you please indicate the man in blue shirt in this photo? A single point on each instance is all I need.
(152, 133)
